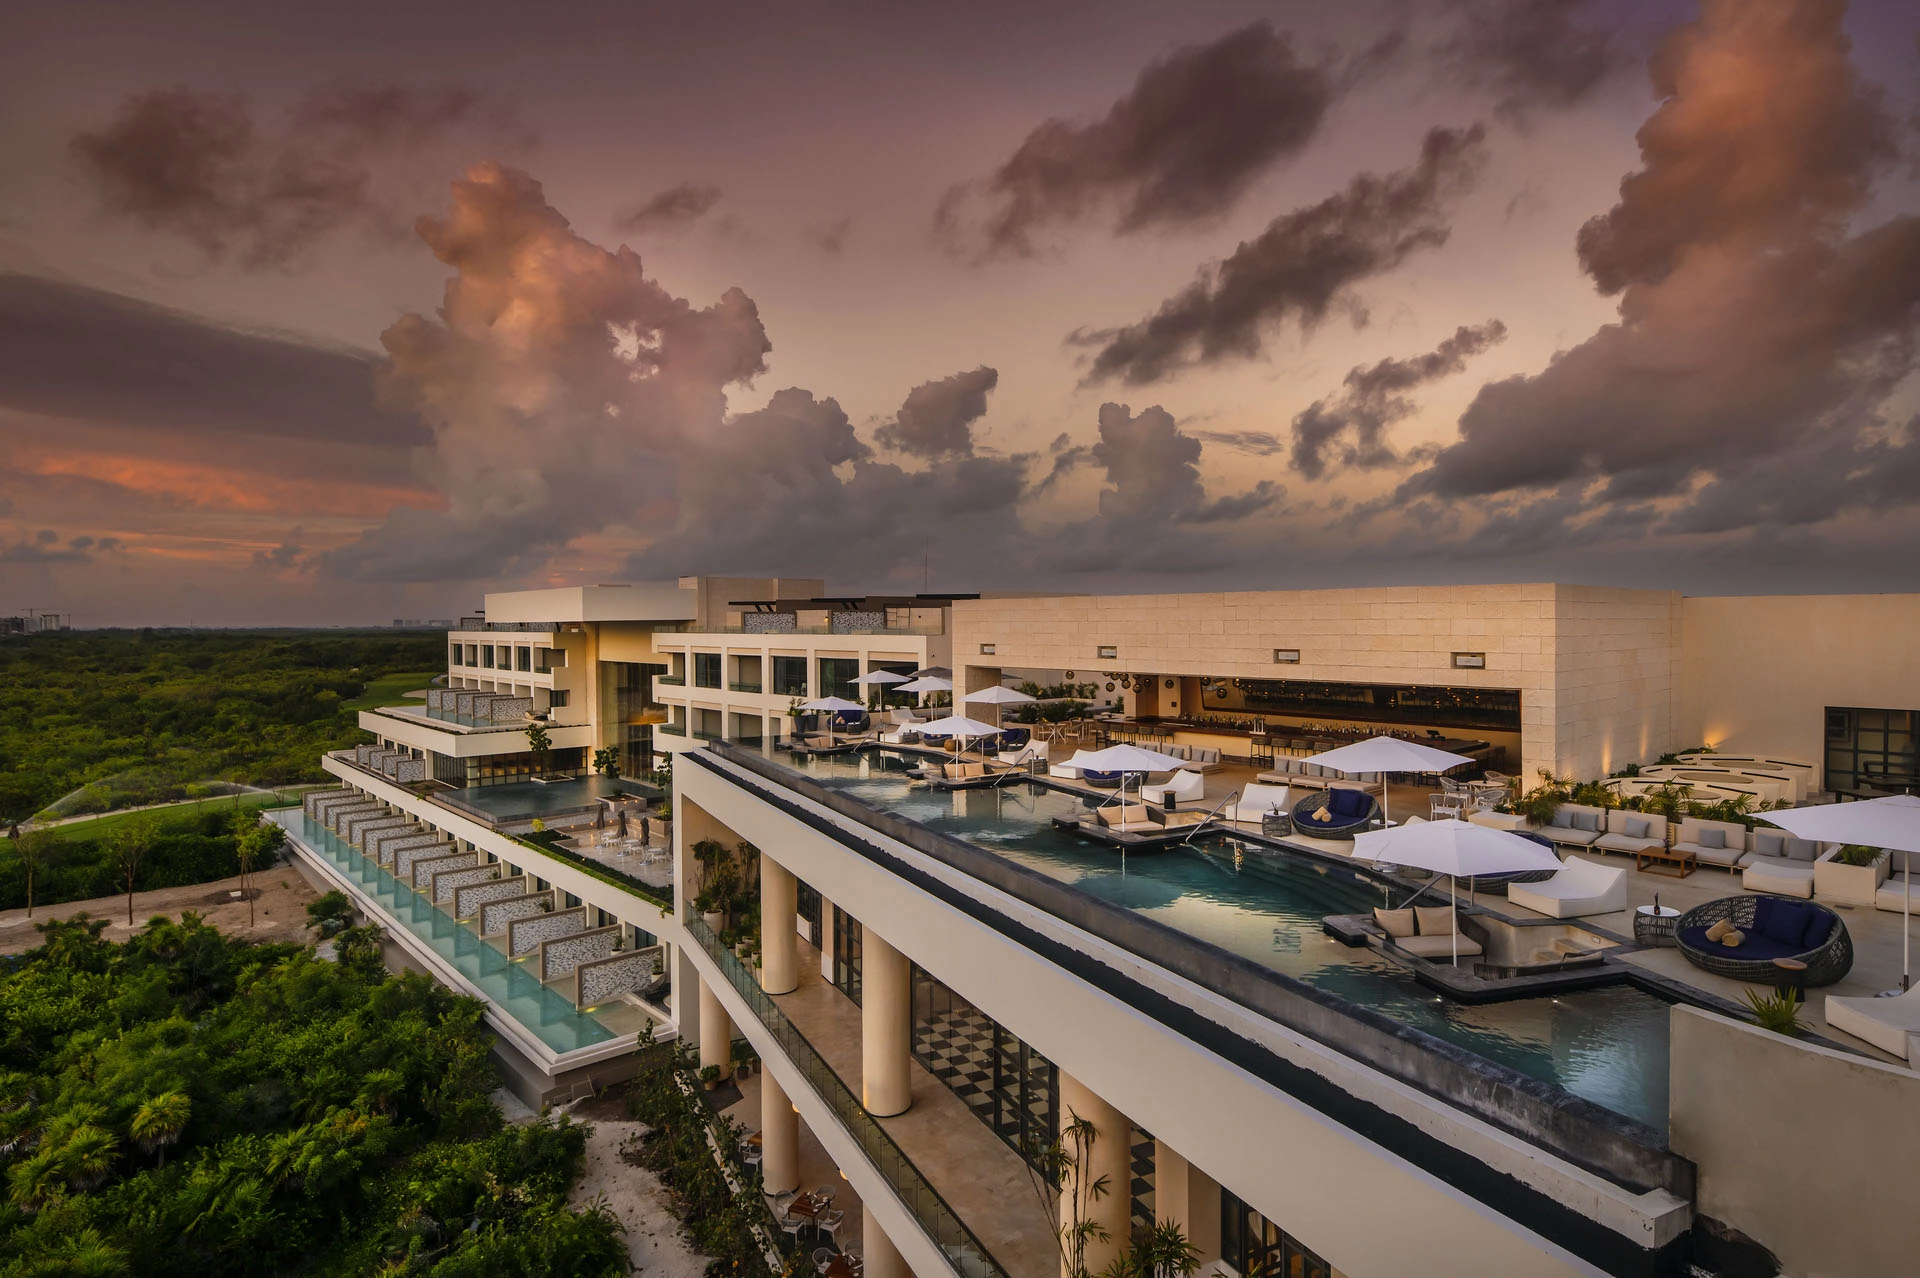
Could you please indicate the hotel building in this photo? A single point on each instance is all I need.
(942, 978)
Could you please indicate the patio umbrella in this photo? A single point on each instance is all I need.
(927, 683)
(1384, 755)
(999, 695)
(1124, 759)
(600, 817)
(879, 678)
(1892, 822)
(957, 726)
(620, 825)
(833, 706)
(1453, 848)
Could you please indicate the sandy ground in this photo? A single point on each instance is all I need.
(636, 1196)
(280, 910)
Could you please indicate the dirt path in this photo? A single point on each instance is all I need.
(280, 910)
(636, 1196)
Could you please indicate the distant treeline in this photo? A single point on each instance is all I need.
(133, 717)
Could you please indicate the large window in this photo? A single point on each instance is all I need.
(847, 935)
(1010, 1087)
(790, 676)
(486, 656)
(706, 669)
(807, 905)
(1252, 1245)
(1872, 749)
(523, 658)
(837, 675)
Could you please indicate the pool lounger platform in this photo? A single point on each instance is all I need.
(1135, 838)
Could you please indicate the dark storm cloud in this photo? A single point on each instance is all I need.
(675, 207)
(937, 417)
(1297, 268)
(1179, 148)
(200, 165)
(44, 548)
(71, 351)
(1760, 336)
(1534, 54)
(1373, 397)
(1152, 473)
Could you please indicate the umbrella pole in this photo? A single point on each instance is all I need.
(1906, 924)
(1453, 901)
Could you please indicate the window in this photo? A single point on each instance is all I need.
(847, 936)
(523, 658)
(837, 675)
(1251, 1244)
(1872, 749)
(1010, 1087)
(506, 656)
(486, 655)
(706, 669)
(558, 698)
(1108, 652)
(790, 676)
(986, 649)
(459, 656)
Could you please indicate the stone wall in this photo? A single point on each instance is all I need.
(446, 882)
(769, 623)
(560, 956)
(524, 935)
(360, 830)
(337, 817)
(405, 854)
(510, 709)
(852, 622)
(408, 770)
(468, 900)
(314, 798)
(498, 916)
(597, 980)
(381, 843)
(425, 868)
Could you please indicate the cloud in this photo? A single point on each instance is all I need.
(1763, 329)
(199, 165)
(44, 547)
(671, 209)
(1180, 148)
(937, 417)
(1297, 269)
(1373, 397)
(832, 238)
(76, 352)
(563, 388)
(1531, 54)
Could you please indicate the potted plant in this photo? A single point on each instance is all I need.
(710, 1076)
(1850, 875)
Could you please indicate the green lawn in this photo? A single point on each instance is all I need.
(99, 826)
(389, 690)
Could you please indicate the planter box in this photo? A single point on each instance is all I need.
(1499, 820)
(1841, 884)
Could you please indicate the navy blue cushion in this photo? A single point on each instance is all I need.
(1348, 803)
(1789, 922)
(1755, 946)
(1762, 914)
(1819, 927)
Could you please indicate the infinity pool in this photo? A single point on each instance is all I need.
(1606, 1045)
(549, 1016)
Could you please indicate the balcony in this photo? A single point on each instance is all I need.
(672, 729)
(743, 687)
(672, 681)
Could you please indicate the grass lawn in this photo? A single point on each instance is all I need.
(100, 825)
(390, 690)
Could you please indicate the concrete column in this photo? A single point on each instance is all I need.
(883, 1259)
(779, 1137)
(1184, 1195)
(779, 909)
(1108, 1156)
(886, 1028)
(716, 1031)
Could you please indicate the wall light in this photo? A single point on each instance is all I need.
(1286, 656)
(986, 650)
(1108, 652)
(1469, 661)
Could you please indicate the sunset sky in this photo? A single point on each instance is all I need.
(331, 314)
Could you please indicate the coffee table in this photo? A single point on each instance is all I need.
(1653, 924)
(1683, 863)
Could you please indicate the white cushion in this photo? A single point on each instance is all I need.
(1778, 876)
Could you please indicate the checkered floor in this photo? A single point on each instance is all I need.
(957, 1048)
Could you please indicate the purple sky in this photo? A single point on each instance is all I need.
(348, 312)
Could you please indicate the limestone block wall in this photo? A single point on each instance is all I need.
(446, 882)
(560, 956)
(524, 935)
(381, 843)
(467, 900)
(597, 980)
(406, 853)
(1614, 691)
(425, 868)
(498, 916)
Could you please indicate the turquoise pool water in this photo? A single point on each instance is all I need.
(518, 800)
(548, 1016)
(1607, 1045)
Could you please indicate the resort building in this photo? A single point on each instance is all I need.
(947, 976)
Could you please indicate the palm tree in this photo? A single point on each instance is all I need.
(88, 1155)
(37, 1181)
(86, 1254)
(159, 1121)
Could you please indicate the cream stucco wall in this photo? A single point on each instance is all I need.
(1615, 653)
(1758, 672)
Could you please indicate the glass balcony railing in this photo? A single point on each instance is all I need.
(672, 729)
(672, 681)
(743, 687)
(963, 1250)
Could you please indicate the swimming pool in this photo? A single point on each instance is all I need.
(1607, 1045)
(549, 1016)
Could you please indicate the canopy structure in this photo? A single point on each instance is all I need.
(1125, 759)
(999, 695)
(1388, 754)
(1453, 848)
(1892, 822)
(833, 706)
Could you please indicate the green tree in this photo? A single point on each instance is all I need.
(34, 847)
(159, 1121)
(606, 761)
(255, 843)
(129, 844)
(539, 744)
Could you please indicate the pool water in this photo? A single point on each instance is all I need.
(1608, 1045)
(511, 986)
(518, 800)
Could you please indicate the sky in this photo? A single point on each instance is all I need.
(338, 314)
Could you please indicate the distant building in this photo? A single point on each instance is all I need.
(416, 623)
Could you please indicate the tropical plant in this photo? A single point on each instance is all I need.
(1540, 803)
(330, 913)
(159, 1121)
(1858, 854)
(1066, 1162)
(1670, 800)
(539, 745)
(1594, 794)
(606, 761)
(1161, 1251)
(129, 843)
(256, 842)
(1778, 1010)
(34, 847)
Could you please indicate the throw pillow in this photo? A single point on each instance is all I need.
(1434, 920)
(1769, 843)
(1562, 819)
(1787, 923)
(1397, 923)
(1732, 939)
(1819, 927)
(1712, 839)
(1639, 828)
(1589, 821)
(1802, 850)
(1719, 930)
(1321, 814)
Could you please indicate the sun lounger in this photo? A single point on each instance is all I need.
(1778, 876)
(1183, 787)
(1256, 801)
(1426, 932)
(1579, 888)
(1133, 816)
(1890, 1024)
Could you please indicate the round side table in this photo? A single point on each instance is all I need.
(1653, 925)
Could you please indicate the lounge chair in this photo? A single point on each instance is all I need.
(1068, 770)
(1576, 826)
(1426, 932)
(1256, 801)
(1893, 894)
(1579, 889)
(1631, 833)
(1720, 843)
(1348, 812)
(1126, 818)
(1890, 1024)
(904, 718)
(1183, 787)
(1779, 864)
(1770, 929)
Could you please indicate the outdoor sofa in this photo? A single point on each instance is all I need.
(1348, 810)
(1779, 863)
(1576, 825)
(1890, 1024)
(1426, 932)
(1631, 833)
(1771, 929)
(1580, 888)
(1719, 843)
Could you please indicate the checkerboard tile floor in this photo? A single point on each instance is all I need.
(957, 1048)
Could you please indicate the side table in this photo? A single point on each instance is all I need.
(1653, 924)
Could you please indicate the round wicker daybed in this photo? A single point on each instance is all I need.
(1769, 923)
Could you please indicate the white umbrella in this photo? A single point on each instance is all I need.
(999, 695)
(957, 726)
(931, 683)
(1453, 848)
(1891, 822)
(874, 677)
(1124, 759)
(1387, 754)
(833, 706)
